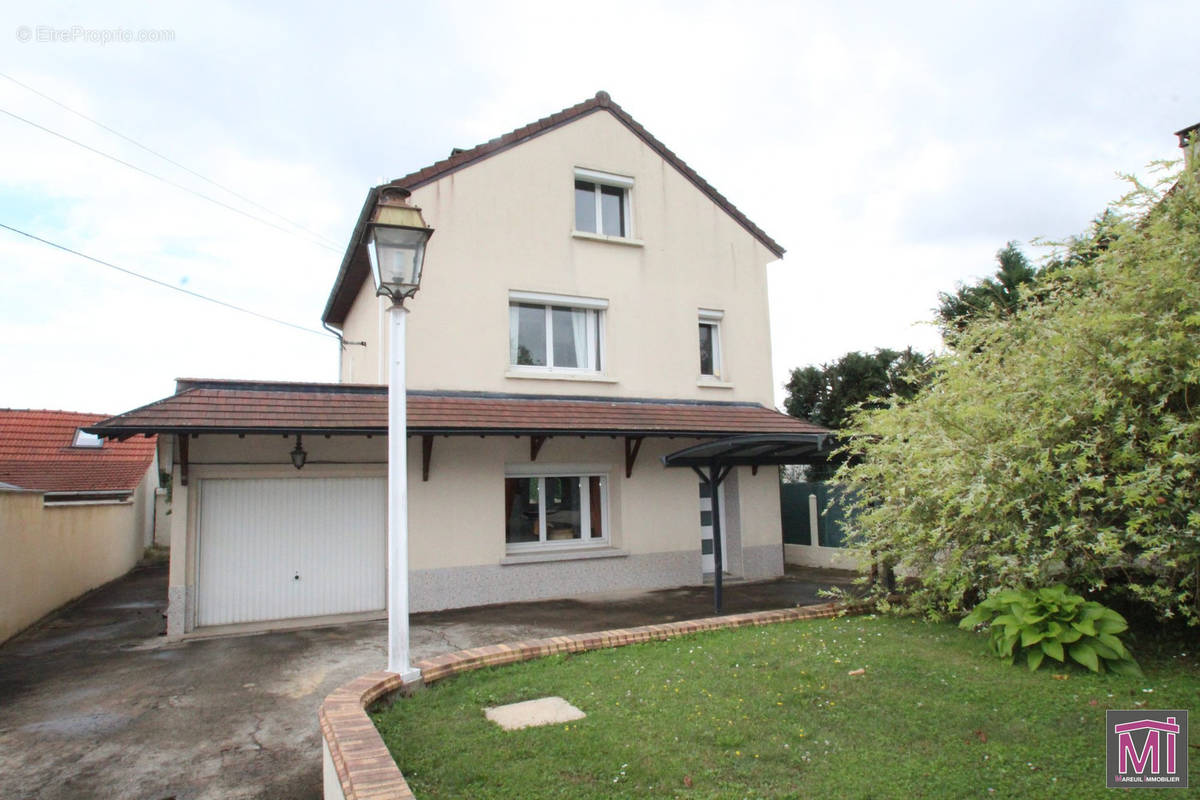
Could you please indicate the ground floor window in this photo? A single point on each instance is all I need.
(555, 510)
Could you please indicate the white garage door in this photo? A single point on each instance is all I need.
(288, 548)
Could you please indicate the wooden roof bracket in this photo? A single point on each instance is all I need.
(535, 446)
(426, 455)
(183, 458)
(632, 446)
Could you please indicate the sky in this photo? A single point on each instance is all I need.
(891, 148)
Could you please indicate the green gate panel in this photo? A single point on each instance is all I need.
(831, 513)
(793, 508)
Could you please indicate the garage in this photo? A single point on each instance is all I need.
(289, 548)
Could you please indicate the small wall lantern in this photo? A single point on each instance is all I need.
(299, 457)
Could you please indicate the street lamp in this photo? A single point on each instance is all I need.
(396, 238)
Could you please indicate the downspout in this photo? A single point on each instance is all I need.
(341, 345)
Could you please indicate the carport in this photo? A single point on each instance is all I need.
(713, 460)
(279, 495)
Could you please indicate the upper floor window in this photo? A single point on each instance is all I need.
(602, 203)
(555, 332)
(710, 343)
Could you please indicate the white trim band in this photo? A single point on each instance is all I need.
(545, 298)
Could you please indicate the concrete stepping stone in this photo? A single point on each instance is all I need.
(530, 713)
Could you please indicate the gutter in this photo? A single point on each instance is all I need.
(355, 237)
(416, 430)
(82, 497)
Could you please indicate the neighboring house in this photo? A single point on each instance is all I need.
(76, 511)
(589, 305)
(1187, 135)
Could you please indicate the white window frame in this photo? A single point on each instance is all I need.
(622, 182)
(579, 471)
(595, 331)
(713, 317)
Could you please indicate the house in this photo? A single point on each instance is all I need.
(589, 306)
(75, 511)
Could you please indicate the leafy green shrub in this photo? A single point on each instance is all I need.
(1053, 622)
(1058, 442)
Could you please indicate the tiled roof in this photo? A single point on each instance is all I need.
(36, 452)
(601, 101)
(243, 407)
(354, 269)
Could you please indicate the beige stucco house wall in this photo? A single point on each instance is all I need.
(503, 225)
(507, 224)
(52, 553)
(145, 517)
(457, 551)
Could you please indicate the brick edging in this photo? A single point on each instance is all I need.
(363, 764)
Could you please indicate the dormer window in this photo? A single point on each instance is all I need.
(85, 439)
(602, 203)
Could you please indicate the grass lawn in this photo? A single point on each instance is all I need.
(772, 712)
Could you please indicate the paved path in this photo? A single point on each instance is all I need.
(96, 704)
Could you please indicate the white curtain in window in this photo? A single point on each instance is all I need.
(579, 334)
(514, 322)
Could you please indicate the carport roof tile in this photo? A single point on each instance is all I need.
(201, 406)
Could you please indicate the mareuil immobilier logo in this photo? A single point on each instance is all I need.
(1147, 748)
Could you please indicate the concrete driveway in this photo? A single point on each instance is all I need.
(94, 703)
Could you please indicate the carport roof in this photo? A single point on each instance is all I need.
(214, 406)
(754, 450)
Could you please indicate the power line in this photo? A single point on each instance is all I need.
(157, 282)
(171, 161)
(167, 181)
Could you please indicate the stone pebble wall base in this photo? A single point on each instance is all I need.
(358, 765)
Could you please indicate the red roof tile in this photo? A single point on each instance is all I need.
(354, 269)
(36, 452)
(233, 406)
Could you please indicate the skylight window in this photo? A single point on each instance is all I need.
(85, 439)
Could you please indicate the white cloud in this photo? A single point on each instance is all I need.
(892, 148)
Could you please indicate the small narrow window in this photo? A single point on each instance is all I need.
(710, 344)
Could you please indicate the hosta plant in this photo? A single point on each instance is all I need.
(1053, 622)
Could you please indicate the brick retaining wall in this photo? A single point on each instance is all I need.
(358, 765)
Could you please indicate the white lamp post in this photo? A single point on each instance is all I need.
(396, 240)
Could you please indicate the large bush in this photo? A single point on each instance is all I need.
(1060, 442)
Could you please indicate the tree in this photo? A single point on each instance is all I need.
(827, 394)
(1000, 294)
(1057, 442)
(1017, 281)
